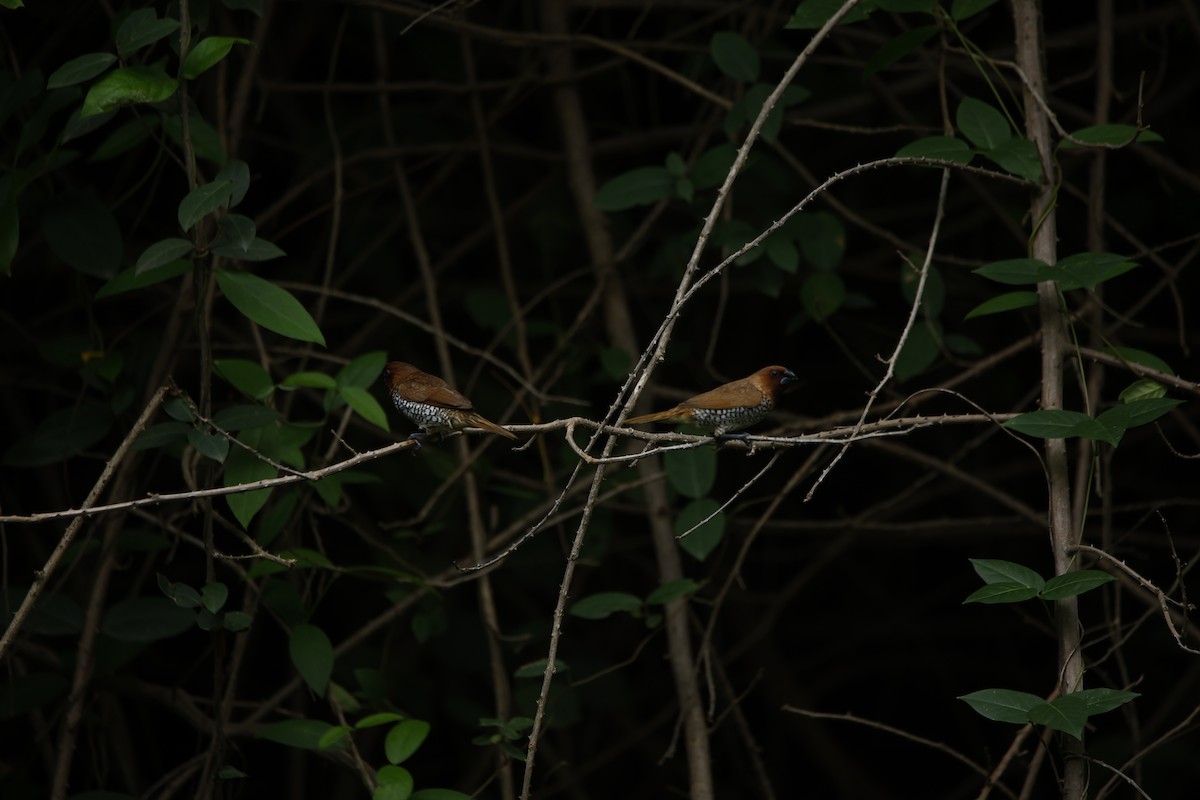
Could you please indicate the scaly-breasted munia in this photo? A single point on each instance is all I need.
(432, 403)
(729, 407)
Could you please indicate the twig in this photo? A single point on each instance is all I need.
(41, 576)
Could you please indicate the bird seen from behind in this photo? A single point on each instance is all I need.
(432, 404)
(729, 407)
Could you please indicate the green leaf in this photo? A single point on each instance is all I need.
(162, 435)
(673, 590)
(257, 250)
(393, 783)
(214, 595)
(1074, 583)
(130, 279)
(1133, 413)
(1004, 302)
(1068, 714)
(235, 621)
(141, 28)
(380, 718)
(982, 124)
(1135, 356)
(312, 655)
(701, 541)
(248, 377)
(243, 467)
(83, 232)
(363, 371)
(80, 69)
(52, 615)
(1101, 701)
(333, 737)
(783, 253)
(822, 294)
(907, 6)
(308, 380)
(995, 570)
(1002, 705)
(898, 47)
(238, 173)
(127, 86)
(637, 187)
(734, 56)
(605, 604)
(161, 252)
(1142, 389)
(61, 435)
(365, 405)
(812, 14)
(207, 52)
(303, 733)
(712, 166)
(1057, 423)
(822, 239)
(943, 148)
(1014, 271)
(1110, 135)
(203, 200)
(535, 669)
(693, 472)
(403, 739)
(270, 306)
(1017, 156)
(145, 619)
(439, 794)
(180, 594)
(205, 139)
(920, 351)
(209, 445)
(965, 9)
(1003, 592)
(239, 231)
(1086, 270)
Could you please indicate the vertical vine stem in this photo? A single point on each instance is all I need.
(1043, 246)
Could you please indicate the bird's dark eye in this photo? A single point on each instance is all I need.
(775, 373)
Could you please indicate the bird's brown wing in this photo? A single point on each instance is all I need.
(426, 388)
(731, 395)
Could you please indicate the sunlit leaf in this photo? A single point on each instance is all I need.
(207, 52)
(404, 739)
(127, 86)
(1075, 583)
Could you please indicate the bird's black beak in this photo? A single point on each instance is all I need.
(788, 378)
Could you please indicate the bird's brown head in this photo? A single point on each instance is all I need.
(773, 380)
(396, 372)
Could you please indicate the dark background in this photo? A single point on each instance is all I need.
(848, 603)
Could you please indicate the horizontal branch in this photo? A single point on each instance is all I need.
(670, 441)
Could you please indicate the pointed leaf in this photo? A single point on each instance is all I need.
(1074, 583)
(995, 570)
(248, 377)
(207, 52)
(305, 733)
(141, 28)
(735, 56)
(403, 739)
(982, 124)
(257, 250)
(203, 200)
(1067, 714)
(965, 9)
(1013, 272)
(242, 467)
(673, 590)
(1142, 389)
(1136, 356)
(80, 69)
(1002, 705)
(239, 231)
(943, 148)
(365, 405)
(812, 14)
(1110, 135)
(312, 655)
(1089, 269)
(130, 279)
(700, 538)
(899, 46)
(127, 86)
(1017, 156)
(1004, 302)
(1137, 412)
(693, 472)
(1002, 592)
(214, 595)
(1061, 424)
(160, 253)
(605, 604)
(637, 187)
(145, 619)
(270, 306)
(1101, 701)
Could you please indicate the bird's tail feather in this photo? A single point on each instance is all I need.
(657, 416)
(477, 421)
